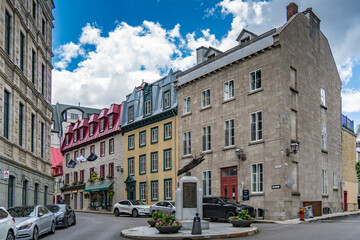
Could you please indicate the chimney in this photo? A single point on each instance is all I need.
(291, 10)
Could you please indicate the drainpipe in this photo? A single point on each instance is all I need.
(174, 114)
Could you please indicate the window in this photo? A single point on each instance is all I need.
(25, 192)
(324, 182)
(32, 132)
(143, 191)
(102, 149)
(76, 177)
(6, 113)
(206, 138)
(34, 10)
(74, 114)
(36, 193)
(187, 143)
(167, 131)
(229, 133)
(81, 133)
(205, 98)
(111, 169)
(142, 164)
(46, 189)
(102, 125)
(323, 137)
(22, 50)
(92, 149)
(102, 171)
(154, 135)
(42, 78)
(82, 152)
(11, 191)
(110, 121)
(67, 140)
(229, 89)
(147, 107)
(154, 162)
(255, 80)
(168, 189)
(257, 178)
(187, 105)
(293, 77)
(67, 158)
(256, 126)
(167, 99)
(323, 97)
(335, 181)
(131, 166)
(92, 170)
(131, 113)
(154, 191)
(111, 146)
(82, 176)
(167, 159)
(91, 129)
(206, 177)
(43, 26)
(33, 66)
(142, 138)
(131, 142)
(293, 125)
(75, 136)
(76, 155)
(42, 140)
(67, 178)
(7, 32)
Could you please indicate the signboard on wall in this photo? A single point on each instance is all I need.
(246, 195)
(6, 174)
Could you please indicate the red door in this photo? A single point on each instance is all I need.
(345, 200)
(229, 185)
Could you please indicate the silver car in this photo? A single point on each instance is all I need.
(32, 221)
(164, 206)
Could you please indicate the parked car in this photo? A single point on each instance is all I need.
(64, 215)
(32, 221)
(8, 229)
(131, 207)
(223, 208)
(163, 206)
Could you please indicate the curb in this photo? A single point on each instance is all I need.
(96, 212)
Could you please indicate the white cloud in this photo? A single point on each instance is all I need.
(66, 53)
(350, 101)
(90, 35)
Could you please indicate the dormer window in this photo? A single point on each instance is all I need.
(166, 99)
(81, 133)
(211, 56)
(101, 125)
(244, 40)
(75, 136)
(67, 140)
(131, 113)
(147, 107)
(110, 121)
(91, 129)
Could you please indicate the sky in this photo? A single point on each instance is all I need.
(102, 51)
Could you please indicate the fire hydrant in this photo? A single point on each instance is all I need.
(302, 213)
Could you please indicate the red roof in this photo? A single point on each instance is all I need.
(97, 135)
(84, 123)
(103, 113)
(114, 108)
(76, 125)
(56, 158)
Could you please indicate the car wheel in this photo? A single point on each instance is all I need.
(36, 234)
(66, 222)
(74, 223)
(10, 235)
(52, 229)
(135, 213)
(116, 212)
(213, 219)
(229, 214)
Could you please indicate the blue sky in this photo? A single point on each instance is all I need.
(102, 51)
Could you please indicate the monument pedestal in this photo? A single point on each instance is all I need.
(187, 224)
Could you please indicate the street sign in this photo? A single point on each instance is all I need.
(246, 196)
(275, 186)
(278, 166)
(6, 174)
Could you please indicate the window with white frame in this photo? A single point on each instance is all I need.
(167, 188)
(111, 146)
(75, 136)
(256, 126)
(154, 135)
(142, 138)
(102, 149)
(324, 182)
(255, 80)
(131, 166)
(293, 77)
(206, 177)
(229, 89)
(81, 133)
(257, 178)
(205, 98)
(82, 152)
(323, 97)
(187, 143)
(147, 107)
(67, 140)
(323, 137)
(187, 105)
(91, 129)
(154, 191)
(229, 133)
(92, 149)
(167, 99)
(206, 138)
(131, 114)
(335, 181)
(131, 142)
(167, 159)
(154, 162)
(142, 163)
(167, 131)
(110, 121)
(143, 191)
(102, 125)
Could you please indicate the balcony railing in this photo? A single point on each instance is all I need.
(346, 122)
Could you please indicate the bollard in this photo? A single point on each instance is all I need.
(302, 213)
(196, 228)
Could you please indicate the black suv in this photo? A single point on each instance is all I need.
(221, 207)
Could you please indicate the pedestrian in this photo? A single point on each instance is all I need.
(61, 200)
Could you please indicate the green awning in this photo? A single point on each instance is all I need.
(98, 187)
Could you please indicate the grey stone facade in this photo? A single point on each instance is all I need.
(25, 77)
(291, 112)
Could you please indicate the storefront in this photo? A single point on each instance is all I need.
(99, 195)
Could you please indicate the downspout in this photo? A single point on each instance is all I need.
(175, 147)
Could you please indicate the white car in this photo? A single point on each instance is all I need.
(131, 207)
(8, 229)
(32, 221)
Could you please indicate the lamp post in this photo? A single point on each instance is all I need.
(294, 148)
(240, 154)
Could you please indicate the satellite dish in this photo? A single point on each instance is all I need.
(290, 182)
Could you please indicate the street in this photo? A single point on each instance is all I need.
(105, 226)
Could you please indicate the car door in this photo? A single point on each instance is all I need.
(5, 223)
(207, 207)
(167, 207)
(47, 216)
(68, 214)
(218, 210)
(40, 220)
(160, 206)
(124, 206)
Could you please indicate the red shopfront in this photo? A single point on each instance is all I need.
(229, 182)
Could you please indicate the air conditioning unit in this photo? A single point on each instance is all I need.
(259, 213)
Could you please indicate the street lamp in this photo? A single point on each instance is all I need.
(294, 148)
(240, 154)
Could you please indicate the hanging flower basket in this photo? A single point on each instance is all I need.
(111, 192)
(86, 195)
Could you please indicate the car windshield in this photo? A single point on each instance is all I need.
(56, 208)
(229, 201)
(137, 202)
(18, 212)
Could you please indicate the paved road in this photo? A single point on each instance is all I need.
(102, 226)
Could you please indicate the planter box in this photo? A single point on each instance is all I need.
(151, 223)
(168, 229)
(243, 223)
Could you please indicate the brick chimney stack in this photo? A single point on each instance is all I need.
(291, 10)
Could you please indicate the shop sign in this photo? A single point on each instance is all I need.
(6, 174)
(94, 176)
(246, 195)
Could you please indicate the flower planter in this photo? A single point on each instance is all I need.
(168, 229)
(242, 223)
(151, 223)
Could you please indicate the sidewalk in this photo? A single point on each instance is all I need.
(97, 212)
(324, 217)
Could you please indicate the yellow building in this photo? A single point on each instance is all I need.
(150, 138)
(350, 183)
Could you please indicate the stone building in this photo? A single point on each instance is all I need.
(349, 178)
(94, 185)
(149, 124)
(246, 107)
(25, 119)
